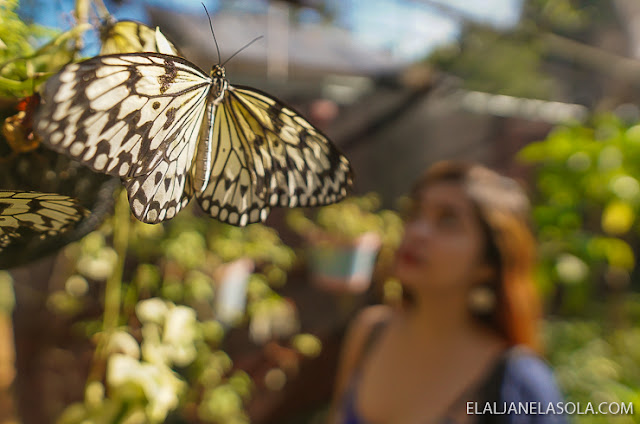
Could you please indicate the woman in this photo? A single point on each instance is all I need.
(465, 337)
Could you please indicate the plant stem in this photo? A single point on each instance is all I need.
(113, 287)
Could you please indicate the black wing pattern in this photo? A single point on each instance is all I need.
(266, 154)
(131, 115)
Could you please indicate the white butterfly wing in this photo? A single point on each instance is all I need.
(161, 193)
(130, 115)
(231, 194)
(265, 154)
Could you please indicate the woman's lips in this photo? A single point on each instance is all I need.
(409, 257)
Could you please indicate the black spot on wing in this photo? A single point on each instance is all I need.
(168, 77)
(171, 116)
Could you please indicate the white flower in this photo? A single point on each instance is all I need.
(156, 382)
(179, 335)
(123, 342)
(152, 310)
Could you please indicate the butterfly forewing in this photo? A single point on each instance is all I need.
(131, 115)
(120, 114)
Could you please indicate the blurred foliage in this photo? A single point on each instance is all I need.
(7, 297)
(25, 61)
(165, 359)
(593, 363)
(587, 210)
(349, 219)
(490, 61)
(586, 214)
(344, 222)
(568, 17)
(515, 61)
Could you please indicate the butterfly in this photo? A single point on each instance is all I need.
(31, 212)
(132, 37)
(172, 132)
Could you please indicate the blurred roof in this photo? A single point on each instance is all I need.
(309, 49)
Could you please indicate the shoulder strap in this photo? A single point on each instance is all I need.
(375, 331)
(491, 391)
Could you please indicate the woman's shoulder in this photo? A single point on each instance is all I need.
(365, 324)
(528, 377)
(364, 327)
(370, 317)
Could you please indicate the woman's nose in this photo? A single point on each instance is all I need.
(420, 228)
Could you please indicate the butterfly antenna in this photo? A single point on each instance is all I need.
(212, 33)
(246, 45)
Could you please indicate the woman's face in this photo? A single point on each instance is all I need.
(443, 244)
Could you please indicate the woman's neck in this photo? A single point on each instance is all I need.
(444, 318)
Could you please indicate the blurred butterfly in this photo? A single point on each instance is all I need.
(31, 212)
(132, 37)
(173, 132)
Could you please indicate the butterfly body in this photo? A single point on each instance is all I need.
(219, 83)
(172, 132)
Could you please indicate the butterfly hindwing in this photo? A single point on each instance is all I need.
(161, 194)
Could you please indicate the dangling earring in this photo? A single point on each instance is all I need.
(482, 300)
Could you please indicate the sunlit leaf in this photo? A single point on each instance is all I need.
(617, 218)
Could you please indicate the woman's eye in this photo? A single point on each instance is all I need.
(411, 214)
(447, 219)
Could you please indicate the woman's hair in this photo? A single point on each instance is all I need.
(503, 211)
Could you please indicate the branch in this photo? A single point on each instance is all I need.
(619, 67)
